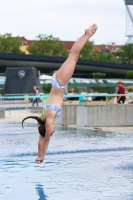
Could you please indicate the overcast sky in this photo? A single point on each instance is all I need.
(65, 19)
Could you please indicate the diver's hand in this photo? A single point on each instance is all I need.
(39, 160)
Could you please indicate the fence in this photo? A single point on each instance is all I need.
(71, 111)
(21, 101)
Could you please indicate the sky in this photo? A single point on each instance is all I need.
(65, 19)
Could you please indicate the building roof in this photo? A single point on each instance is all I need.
(108, 47)
(68, 44)
(28, 42)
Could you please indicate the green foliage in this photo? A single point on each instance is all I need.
(109, 90)
(46, 88)
(53, 72)
(47, 45)
(98, 75)
(130, 74)
(125, 54)
(105, 57)
(8, 44)
(87, 51)
(1, 91)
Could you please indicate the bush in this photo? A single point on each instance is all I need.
(98, 75)
(130, 74)
(1, 91)
(109, 90)
(46, 88)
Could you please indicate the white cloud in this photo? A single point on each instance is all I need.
(65, 19)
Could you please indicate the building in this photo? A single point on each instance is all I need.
(47, 64)
(68, 44)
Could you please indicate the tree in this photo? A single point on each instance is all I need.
(87, 51)
(53, 72)
(105, 57)
(130, 74)
(98, 75)
(47, 45)
(125, 54)
(9, 44)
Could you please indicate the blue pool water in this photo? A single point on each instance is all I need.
(79, 165)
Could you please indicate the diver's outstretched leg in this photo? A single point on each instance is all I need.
(65, 72)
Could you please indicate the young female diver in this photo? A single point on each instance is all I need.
(52, 109)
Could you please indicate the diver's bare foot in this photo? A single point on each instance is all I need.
(91, 30)
(39, 160)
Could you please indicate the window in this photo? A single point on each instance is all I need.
(23, 42)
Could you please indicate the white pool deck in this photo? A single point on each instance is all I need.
(18, 115)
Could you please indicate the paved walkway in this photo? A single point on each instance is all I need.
(18, 115)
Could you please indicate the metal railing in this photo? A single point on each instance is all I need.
(18, 101)
(21, 101)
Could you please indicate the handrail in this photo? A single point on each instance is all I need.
(68, 96)
(20, 101)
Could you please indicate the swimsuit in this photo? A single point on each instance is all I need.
(50, 106)
(55, 82)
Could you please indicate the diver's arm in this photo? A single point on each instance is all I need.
(40, 146)
(49, 129)
(43, 144)
(40, 150)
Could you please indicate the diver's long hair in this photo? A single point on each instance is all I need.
(41, 123)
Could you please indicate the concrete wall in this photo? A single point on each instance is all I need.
(109, 115)
(68, 115)
(102, 115)
(2, 114)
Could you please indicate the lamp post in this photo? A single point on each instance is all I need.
(129, 33)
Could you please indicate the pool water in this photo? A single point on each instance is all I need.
(79, 165)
